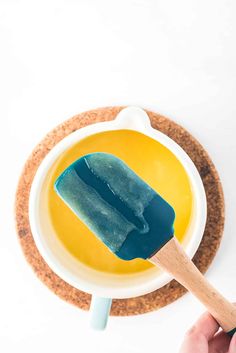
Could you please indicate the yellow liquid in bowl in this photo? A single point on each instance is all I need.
(151, 161)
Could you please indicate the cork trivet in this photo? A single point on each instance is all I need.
(204, 255)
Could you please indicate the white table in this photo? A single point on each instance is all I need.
(60, 58)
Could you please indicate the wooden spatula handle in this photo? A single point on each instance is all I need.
(172, 258)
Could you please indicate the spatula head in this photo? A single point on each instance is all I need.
(123, 211)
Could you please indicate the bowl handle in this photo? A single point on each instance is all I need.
(133, 118)
(99, 312)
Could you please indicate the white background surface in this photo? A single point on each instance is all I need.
(58, 58)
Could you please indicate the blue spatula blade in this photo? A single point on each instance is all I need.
(123, 211)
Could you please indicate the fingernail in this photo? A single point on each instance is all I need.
(232, 346)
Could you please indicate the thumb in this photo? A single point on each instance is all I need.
(232, 346)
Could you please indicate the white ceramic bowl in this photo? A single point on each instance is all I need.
(73, 271)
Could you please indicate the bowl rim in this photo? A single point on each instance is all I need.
(131, 118)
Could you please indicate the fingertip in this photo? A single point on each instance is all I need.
(207, 325)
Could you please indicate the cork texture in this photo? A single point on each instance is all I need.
(168, 293)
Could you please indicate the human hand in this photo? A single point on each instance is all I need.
(204, 337)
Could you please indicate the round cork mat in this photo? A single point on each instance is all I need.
(204, 255)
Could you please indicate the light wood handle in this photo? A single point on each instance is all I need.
(172, 258)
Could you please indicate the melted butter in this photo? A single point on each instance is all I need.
(152, 162)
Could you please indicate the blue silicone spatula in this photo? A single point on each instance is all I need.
(134, 221)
